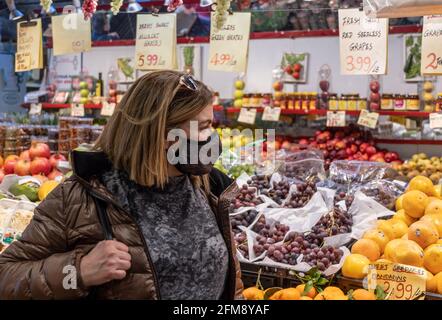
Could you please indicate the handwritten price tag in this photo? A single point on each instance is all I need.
(435, 120)
(399, 281)
(431, 62)
(271, 114)
(107, 109)
(336, 119)
(363, 43)
(223, 58)
(35, 109)
(247, 116)
(77, 110)
(71, 33)
(368, 119)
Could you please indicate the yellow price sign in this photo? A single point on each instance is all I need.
(399, 281)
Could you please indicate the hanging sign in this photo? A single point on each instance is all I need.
(229, 46)
(29, 46)
(363, 43)
(431, 61)
(247, 116)
(155, 45)
(399, 281)
(271, 114)
(71, 33)
(368, 119)
(336, 119)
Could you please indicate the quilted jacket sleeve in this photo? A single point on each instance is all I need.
(32, 268)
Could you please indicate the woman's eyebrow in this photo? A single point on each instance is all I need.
(205, 122)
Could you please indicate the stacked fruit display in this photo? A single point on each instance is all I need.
(411, 237)
(239, 93)
(375, 97)
(427, 96)
(420, 164)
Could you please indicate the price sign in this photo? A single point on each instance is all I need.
(363, 43)
(435, 120)
(368, 119)
(35, 109)
(336, 119)
(247, 116)
(229, 46)
(155, 45)
(271, 114)
(29, 46)
(107, 109)
(399, 281)
(77, 110)
(431, 62)
(71, 33)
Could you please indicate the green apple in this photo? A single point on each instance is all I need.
(83, 85)
(84, 93)
(238, 94)
(237, 103)
(84, 100)
(239, 84)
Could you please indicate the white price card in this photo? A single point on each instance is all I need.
(247, 116)
(271, 114)
(435, 120)
(431, 61)
(107, 109)
(363, 43)
(368, 119)
(71, 33)
(64, 165)
(335, 118)
(77, 110)
(35, 109)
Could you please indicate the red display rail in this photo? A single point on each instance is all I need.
(63, 105)
(409, 141)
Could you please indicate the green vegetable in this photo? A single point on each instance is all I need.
(188, 53)
(123, 65)
(28, 189)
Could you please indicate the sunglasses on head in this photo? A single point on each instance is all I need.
(189, 82)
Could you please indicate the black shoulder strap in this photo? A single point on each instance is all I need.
(103, 218)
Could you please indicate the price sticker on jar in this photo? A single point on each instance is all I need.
(247, 116)
(431, 62)
(399, 281)
(77, 110)
(335, 118)
(271, 114)
(435, 120)
(368, 119)
(363, 43)
(35, 109)
(107, 109)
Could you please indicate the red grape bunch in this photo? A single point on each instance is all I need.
(241, 244)
(260, 182)
(246, 198)
(304, 192)
(279, 192)
(268, 234)
(244, 219)
(335, 222)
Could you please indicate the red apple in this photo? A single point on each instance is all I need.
(380, 159)
(375, 97)
(288, 69)
(2, 175)
(53, 160)
(297, 67)
(341, 154)
(40, 178)
(348, 151)
(394, 156)
(10, 164)
(313, 144)
(364, 157)
(40, 166)
(278, 86)
(25, 155)
(22, 167)
(286, 145)
(350, 158)
(340, 145)
(39, 150)
(112, 92)
(340, 135)
(303, 142)
(277, 145)
(374, 86)
(363, 147)
(317, 133)
(296, 75)
(55, 173)
(370, 150)
(354, 148)
(294, 148)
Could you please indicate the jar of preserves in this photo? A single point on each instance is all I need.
(313, 101)
(266, 100)
(399, 102)
(305, 101)
(387, 102)
(246, 100)
(362, 104)
(255, 100)
(342, 103)
(333, 102)
(412, 102)
(298, 101)
(283, 101)
(438, 105)
(291, 101)
(352, 102)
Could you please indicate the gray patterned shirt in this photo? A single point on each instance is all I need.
(189, 254)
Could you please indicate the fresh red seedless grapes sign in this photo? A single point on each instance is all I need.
(363, 43)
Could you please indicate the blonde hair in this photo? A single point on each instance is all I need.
(134, 138)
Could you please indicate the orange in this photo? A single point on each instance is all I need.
(439, 282)
(305, 298)
(423, 184)
(431, 199)
(405, 236)
(423, 233)
(398, 227)
(434, 207)
(436, 220)
(311, 293)
(320, 296)
(401, 215)
(407, 252)
(289, 294)
(355, 266)
(362, 294)
(383, 261)
(414, 203)
(377, 236)
(386, 227)
(438, 190)
(391, 247)
(333, 290)
(338, 297)
(368, 248)
(431, 282)
(399, 203)
(433, 258)
(253, 293)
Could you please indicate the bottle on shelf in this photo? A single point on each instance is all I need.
(99, 86)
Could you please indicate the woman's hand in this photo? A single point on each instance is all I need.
(108, 261)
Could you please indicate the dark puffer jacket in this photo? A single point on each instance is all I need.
(66, 227)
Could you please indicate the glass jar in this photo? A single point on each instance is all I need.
(352, 102)
(399, 102)
(215, 101)
(313, 100)
(412, 102)
(266, 100)
(246, 100)
(387, 102)
(362, 104)
(333, 102)
(305, 101)
(255, 101)
(291, 101)
(298, 101)
(283, 102)
(438, 105)
(342, 103)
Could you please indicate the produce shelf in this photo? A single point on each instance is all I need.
(409, 141)
(62, 105)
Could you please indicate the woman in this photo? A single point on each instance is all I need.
(168, 236)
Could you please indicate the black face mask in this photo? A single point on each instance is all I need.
(193, 165)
